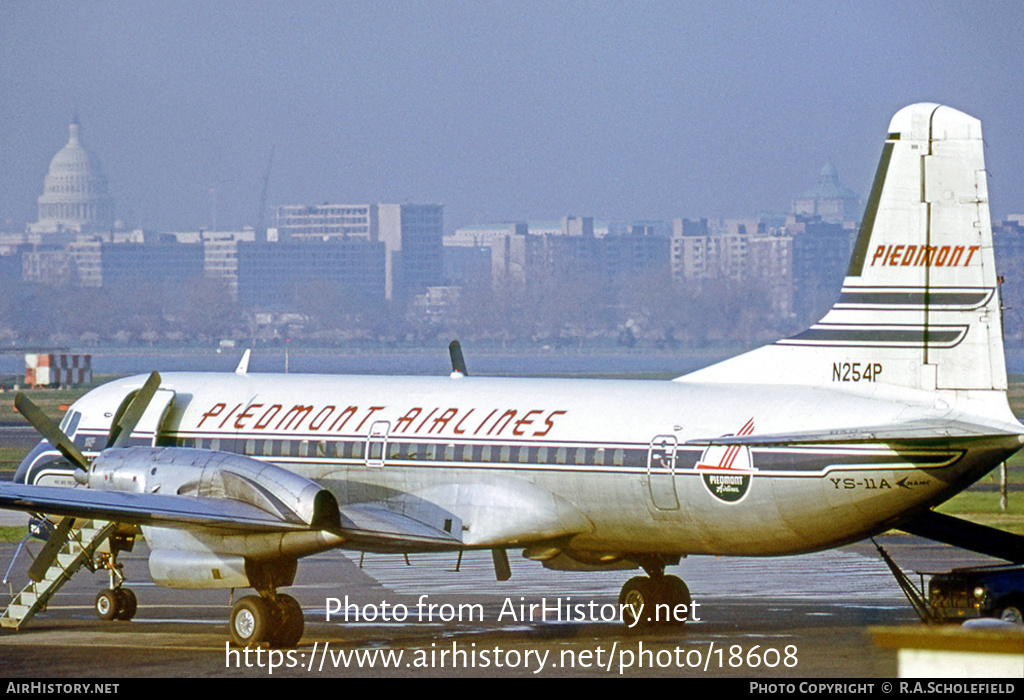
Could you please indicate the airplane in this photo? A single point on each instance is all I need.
(892, 403)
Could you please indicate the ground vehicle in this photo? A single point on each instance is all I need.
(979, 591)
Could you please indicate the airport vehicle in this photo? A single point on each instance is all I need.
(891, 404)
(979, 591)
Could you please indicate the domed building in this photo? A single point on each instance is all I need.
(75, 197)
(830, 200)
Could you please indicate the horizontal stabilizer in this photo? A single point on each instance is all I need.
(910, 432)
(968, 535)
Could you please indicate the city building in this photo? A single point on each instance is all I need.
(412, 235)
(829, 200)
(75, 196)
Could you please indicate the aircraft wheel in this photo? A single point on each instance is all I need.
(639, 595)
(290, 622)
(674, 592)
(1013, 612)
(107, 604)
(252, 620)
(128, 604)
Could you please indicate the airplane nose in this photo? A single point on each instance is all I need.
(42, 457)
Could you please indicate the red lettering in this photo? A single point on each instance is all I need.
(442, 420)
(247, 413)
(459, 424)
(908, 258)
(420, 426)
(267, 416)
(373, 409)
(974, 249)
(213, 412)
(313, 425)
(954, 259)
(549, 422)
(525, 420)
(940, 261)
(879, 252)
(485, 421)
(403, 423)
(346, 414)
(897, 251)
(506, 416)
(229, 415)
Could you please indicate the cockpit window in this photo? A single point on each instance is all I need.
(70, 423)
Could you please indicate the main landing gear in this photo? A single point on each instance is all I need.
(116, 602)
(275, 619)
(268, 618)
(655, 599)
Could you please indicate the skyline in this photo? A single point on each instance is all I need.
(499, 111)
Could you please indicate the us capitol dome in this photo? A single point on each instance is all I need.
(75, 197)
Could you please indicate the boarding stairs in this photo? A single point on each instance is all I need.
(72, 545)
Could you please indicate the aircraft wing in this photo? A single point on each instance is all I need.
(912, 432)
(369, 525)
(142, 508)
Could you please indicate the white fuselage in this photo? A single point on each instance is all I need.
(600, 465)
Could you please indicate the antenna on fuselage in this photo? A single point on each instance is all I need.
(243, 364)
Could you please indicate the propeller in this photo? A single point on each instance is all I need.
(50, 431)
(458, 361)
(127, 417)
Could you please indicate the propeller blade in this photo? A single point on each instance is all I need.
(50, 431)
(458, 362)
(126, 421)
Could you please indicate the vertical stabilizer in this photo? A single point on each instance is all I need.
(920, 305)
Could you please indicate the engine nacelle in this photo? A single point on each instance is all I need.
(192, 569)
(186, 471)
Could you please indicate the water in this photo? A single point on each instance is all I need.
(424, 362)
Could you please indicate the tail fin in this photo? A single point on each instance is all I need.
(920, 305)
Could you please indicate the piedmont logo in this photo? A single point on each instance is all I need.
(726, 469)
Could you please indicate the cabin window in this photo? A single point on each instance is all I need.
(505, 453)
(467, 453)
(542, 455)
(449, 453)
(599, 456)
(524, 455)
(321, 448)
(304, 448)
(268, 448)
(357, 450)
(618, 456)
(560, 455)
(581, 456)
(250, 447)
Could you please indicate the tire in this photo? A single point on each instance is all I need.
(638, 591)
(290, 622)
(1012, 612)
(129, 604)
(674, 592)
(252, 621)
(107, 604)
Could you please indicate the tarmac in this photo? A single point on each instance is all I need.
(379, 615)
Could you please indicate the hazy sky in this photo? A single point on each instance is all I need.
(498, 110)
